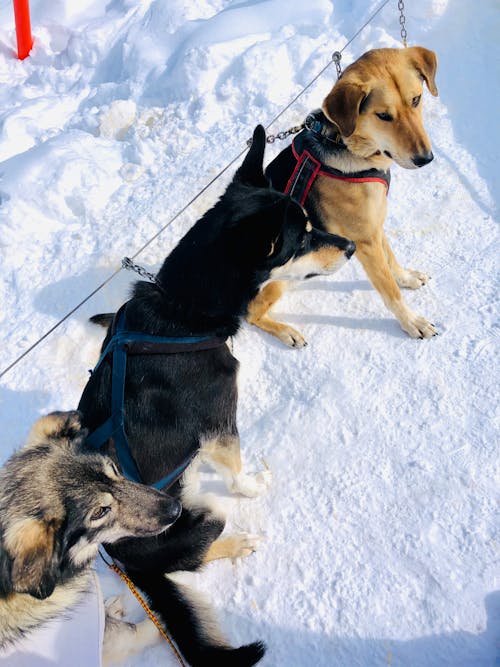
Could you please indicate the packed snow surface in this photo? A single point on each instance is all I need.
(380, 542)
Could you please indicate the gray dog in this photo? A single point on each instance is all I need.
(57, 504)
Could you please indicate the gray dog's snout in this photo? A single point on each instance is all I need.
(173, 510)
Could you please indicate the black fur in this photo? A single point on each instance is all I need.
(174, 401)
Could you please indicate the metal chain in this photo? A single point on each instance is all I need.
(271, 138)
(190, 202)
(337, 57)
(402, 21)
(128, 264)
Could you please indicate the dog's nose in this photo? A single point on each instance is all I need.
(173, 510)
(350, 249)
(422, 159)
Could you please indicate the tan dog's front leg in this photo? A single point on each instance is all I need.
(374, 261)
(408, 278)
(258, 315)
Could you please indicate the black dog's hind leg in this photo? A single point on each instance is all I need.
(191, 625)
(190, 542)
(223, 454)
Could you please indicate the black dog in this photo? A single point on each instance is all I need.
(179, 405)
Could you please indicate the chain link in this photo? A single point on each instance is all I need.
(271, 138)
(402, 21)
(128, 264)
(337, 57)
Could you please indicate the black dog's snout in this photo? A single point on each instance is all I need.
(423, 159)
(350, 249)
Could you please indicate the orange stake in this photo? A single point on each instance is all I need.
(23, 28)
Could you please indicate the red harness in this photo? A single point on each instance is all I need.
(308, 168)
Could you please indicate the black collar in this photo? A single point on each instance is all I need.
(317, 123)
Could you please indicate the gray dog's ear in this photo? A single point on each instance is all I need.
(425, 62)
(57, 427)
(341, 106)
(32, 547)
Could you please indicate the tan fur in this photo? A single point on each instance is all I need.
(382, 81)
(259, 316)
(30, 543)
(21, 610)
(232, 546)
(223, 453)
(49, 427)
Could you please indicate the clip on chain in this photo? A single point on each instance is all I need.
(402, 20)
(337, 57)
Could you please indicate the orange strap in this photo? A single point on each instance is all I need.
(148, 611)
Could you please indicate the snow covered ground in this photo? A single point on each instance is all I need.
(380, 542)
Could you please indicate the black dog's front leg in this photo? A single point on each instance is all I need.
(182, 547)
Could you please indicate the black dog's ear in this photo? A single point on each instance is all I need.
(251, 171)
(32, 546)
(254, 235)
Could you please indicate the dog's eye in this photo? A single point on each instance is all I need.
(99, 513)
(416, 101)
(385, 116)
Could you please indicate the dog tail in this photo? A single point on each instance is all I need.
(103, 319)
(190, 622)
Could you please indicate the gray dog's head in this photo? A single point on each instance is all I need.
(58, 502)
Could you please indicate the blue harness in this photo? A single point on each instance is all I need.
(123, 343)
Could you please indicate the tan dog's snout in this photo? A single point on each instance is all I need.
(377, 106)
(423, 158)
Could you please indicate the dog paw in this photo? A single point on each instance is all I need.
(291, 337)
(114, 607)
(242, 545)
(419, 327)
(252, 485)
(412, 279)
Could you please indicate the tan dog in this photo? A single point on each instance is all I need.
(372, 116)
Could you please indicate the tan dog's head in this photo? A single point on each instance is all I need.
(377, 105)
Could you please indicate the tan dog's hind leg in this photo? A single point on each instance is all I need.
(374, 261)
(404, 277)
(258, 315)
(223, 454)
(232, 546)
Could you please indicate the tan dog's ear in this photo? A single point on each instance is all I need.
(341, 106)
(31, 543)
(425, 62)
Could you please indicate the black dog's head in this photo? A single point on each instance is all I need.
(253, 234)
(58, 502)
(272, 231)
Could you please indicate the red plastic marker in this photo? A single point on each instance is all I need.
(23, 28)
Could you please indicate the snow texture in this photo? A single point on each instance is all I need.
(380, 526)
